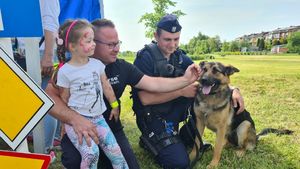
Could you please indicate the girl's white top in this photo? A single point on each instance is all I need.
(86, 92)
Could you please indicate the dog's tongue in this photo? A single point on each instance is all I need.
(206, 89)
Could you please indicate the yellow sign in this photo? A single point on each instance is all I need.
(22, 103)
(13, 160)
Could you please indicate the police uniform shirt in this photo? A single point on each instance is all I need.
(120, 74)
(145, 63)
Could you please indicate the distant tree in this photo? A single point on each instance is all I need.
(200, 37)
(202, 44)
(225, 47)
(294, 42)
(191, 46)
(257, 42)
(127, 54)
(244, 43)
(184, 47)
(195, 46)
(150, 19)
(275, 42)
(214, 44)
(234, 46)
(261, 45)
(283, 40)
(203, 48)
(268, 45)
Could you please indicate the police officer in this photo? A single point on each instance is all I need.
(159, 114)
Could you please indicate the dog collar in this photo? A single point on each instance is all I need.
(226, 100)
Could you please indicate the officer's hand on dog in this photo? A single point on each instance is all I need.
(192, 73)
(190, 90)
(115, 113)
(238, 100)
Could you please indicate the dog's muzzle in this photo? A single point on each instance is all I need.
(209, 85)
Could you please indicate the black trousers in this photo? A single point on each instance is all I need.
(71, 158)
(174, 156)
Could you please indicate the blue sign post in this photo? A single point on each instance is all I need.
(20, 18)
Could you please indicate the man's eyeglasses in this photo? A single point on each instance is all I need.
(110, 45)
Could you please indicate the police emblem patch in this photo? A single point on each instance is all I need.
(173, 29)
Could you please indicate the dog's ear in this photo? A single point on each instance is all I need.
(229, 70)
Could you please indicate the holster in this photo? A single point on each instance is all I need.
(156, 142)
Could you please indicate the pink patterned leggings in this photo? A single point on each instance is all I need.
(108, 144)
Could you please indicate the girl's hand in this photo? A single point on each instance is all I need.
(115, 113)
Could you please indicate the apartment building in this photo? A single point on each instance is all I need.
(276, 34)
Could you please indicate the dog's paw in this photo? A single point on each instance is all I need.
(211, 166)
(192, 155)
(240, 153)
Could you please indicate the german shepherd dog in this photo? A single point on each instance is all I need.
(214, 110)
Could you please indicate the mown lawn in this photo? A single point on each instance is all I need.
(270, 85)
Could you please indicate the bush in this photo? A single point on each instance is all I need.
(197, 57)
(227, 53)
(209, 57)
(202, 57)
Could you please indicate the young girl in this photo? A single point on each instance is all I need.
(79, 84)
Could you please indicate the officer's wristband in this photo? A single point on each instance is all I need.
(114, 104)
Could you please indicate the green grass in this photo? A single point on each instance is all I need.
(270, 85)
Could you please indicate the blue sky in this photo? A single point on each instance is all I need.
(227, 18)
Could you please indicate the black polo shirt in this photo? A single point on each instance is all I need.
(120, 74)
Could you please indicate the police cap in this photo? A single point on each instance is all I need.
(169, 23)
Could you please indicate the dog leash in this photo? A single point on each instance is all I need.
(203, 147)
